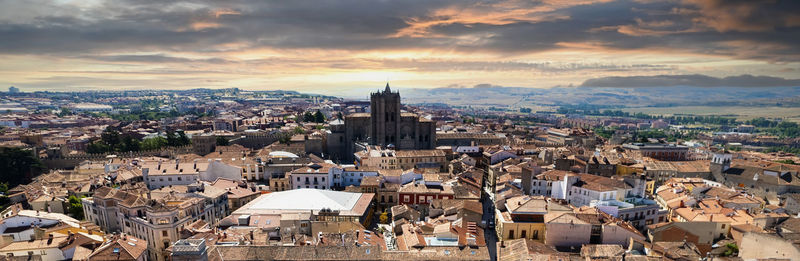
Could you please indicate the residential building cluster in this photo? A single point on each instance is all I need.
(286, 176)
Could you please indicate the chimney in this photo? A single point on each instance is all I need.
(159, 165)
(49, 238)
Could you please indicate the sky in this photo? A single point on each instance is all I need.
(343, 46)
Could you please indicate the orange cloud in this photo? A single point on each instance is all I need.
(498, 13)
(743, 16)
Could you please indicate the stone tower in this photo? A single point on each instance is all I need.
(386, 126)
(385, 117)
(720, 162)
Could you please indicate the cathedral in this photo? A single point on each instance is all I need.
(386, 125)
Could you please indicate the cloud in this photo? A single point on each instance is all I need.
(428, 65)
(152, 58)
(743, 15)
(436, 42)
(693, 80)
(465, 26)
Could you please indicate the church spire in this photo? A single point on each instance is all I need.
(387, 90)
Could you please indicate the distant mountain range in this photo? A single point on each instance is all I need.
(619, 96)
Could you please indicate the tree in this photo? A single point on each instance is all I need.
(318, 117)
(222, 141)
(64, 112)
(75, 207)
(384, 218)
(111, 137)
(786, 161)
(98, 147)
(733, 250)
(308, 117)
(18, 166)
(172, 140)
(285, 139)
(153, 143)
(182, 139)
(130, 144)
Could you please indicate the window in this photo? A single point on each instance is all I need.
(523, 234)
(164, 233)
(391, 199)
(169, 179)
(536, 234)
(511, 234)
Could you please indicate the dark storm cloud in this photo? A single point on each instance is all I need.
(693, 80)
(153, 58)
(764, 30)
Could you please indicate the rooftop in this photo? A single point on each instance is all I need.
(303, 200)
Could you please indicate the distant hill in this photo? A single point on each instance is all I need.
(623, 96)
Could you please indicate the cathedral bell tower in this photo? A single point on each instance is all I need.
(385, 117)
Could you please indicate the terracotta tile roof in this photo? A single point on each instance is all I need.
(39, 244)
(123, 247)
(526, 204)
(600, 183)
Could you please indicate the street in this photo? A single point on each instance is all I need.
(489, 233)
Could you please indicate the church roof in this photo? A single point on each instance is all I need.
(387, 88)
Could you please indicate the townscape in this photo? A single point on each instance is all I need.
(231, 174)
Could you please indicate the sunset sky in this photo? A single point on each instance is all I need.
(337, 47)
